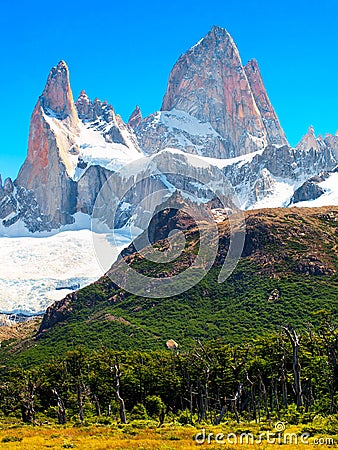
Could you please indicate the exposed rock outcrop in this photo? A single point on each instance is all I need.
(309, 140)
(57, 97)
(61, 133)
(135, 117)
(275, 134)
(48, 165)
(89, 110)
(264, 185)
(307, 192)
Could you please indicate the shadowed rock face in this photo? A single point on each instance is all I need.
(274, 132)
(308, 191)
(210, 83)
(135, 117)
(89, 111)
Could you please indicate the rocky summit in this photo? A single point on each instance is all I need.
(210, 83)
(214, 107)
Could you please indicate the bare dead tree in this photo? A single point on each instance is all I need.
(97, 404)
(62, 419)
(202, 355)
(118, 395)
(253, 396)
(284, 377)
(275, 395)
(234, 403)
(294, 340)
(222, 413)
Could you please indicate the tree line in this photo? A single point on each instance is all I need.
(260, 379)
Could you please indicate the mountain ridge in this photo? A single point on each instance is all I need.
(214, 107)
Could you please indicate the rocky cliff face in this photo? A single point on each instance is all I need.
(271, 177)
(20, 209)
(135, 118)
(57, 97)
(318, 187)
(274, 132)
(48, 165)
(210, 83)
(178, 129)
(89, 110)
(308, 191)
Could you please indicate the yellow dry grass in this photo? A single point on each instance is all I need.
(169, 437)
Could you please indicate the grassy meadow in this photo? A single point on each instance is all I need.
(147, 435)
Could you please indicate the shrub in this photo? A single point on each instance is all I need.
(291, 415)
(154, 405)
(11, 439)
(139, 412)
(184, 417)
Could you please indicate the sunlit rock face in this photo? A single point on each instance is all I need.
(210, 83)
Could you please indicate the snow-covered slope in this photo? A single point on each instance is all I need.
(36, 271)
(90, 147)
(329, 195)
(178, 129)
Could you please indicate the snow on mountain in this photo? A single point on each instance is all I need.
(180, 120)
(178, 129)
(68, 259)
(91, 148)
(329, 196)
(94, 150)
(239, 160)
(278, 198)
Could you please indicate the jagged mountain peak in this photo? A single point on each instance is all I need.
(8, 185)
(253, 65)
(311, 131)
(210, 83)
(62, 65)
(135, 117)
(83, 94)
(57, 97)
(217, 36)
(309, 140)
(89, 110)
(217, 29)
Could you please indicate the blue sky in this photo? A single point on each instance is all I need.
(124, 51)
